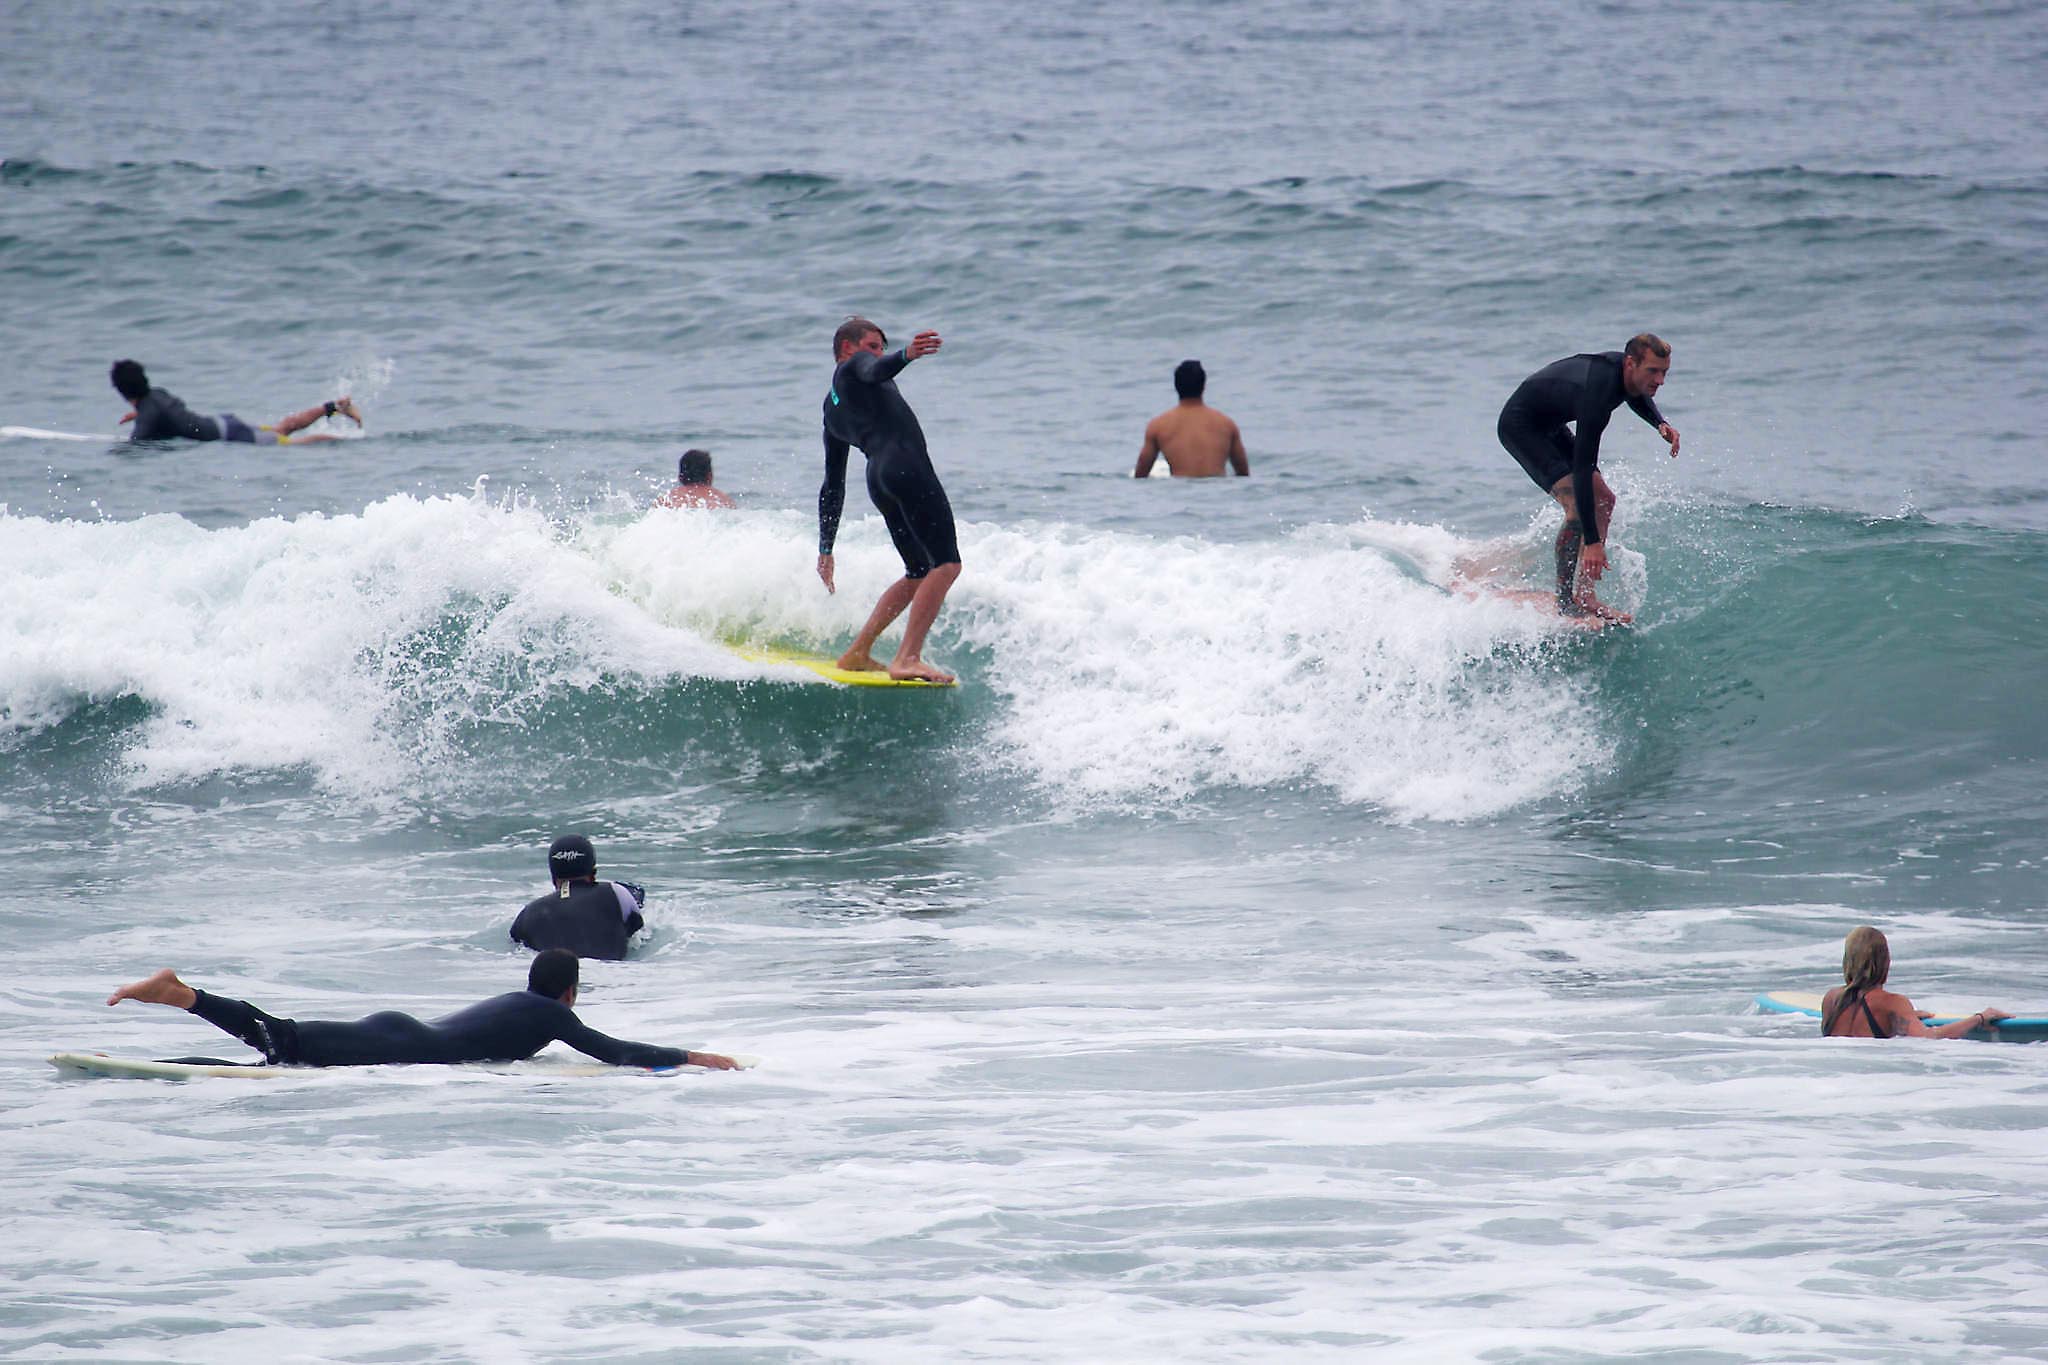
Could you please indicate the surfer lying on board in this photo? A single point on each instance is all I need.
(1863, 1008)
(158, 416)
(1583, 390)
(863, 408)
(505, 1028)
(588, 917)
(1197, 440)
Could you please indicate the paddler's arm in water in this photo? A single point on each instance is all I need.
(619, 1052)
(831, 502)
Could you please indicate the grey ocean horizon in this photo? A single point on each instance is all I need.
(1268, 952)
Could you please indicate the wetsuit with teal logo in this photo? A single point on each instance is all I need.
(865, 409)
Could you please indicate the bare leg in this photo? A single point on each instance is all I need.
(924, 609)
(299, 421)
(888, 607)
(1575, 598)
(162, 989)
(1568, 542)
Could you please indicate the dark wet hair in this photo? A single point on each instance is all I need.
(571, 856)
(129, 380)
(553, 973)
(694, 467)
(1646, 343)
(852, 330)
(1189, 379)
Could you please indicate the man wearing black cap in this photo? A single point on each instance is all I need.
(588, 917)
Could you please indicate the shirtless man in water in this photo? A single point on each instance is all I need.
(1195, 438)
(864, 408)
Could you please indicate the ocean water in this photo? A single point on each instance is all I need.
(1269, 952)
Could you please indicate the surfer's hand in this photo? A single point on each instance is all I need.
(127, 417)
(923, 344)
(825, 572)
(1993, 1016)
(1670, 433)
(1592, 561)
(713, 1061)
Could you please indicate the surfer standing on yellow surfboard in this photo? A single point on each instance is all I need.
(1583, 390)
(864, 408)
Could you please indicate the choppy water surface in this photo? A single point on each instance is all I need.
(1270, 951)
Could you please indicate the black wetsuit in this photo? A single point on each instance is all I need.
(590, 920)
(1581, 389)
(864, 409)
(160, 416)
(505, 1028)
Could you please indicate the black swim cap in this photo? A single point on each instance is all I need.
(571, 856)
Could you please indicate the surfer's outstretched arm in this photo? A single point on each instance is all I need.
(1909, 1024)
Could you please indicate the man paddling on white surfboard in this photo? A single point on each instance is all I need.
(1583, 391)
(159, 416)
(863, 408)
(505, 1028)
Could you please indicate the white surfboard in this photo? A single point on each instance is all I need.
(38, 434)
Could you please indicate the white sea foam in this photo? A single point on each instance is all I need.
(1129, 671)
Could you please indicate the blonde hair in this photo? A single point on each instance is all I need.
(1866, 958)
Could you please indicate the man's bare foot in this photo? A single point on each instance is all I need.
(909, 670)
(346, 406)
(859, 661)
(1593, 610)
(162, 989)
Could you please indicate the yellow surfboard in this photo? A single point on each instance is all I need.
(827, 669)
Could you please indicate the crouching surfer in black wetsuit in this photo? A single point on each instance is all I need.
(1583, 390)
(505, 1028)
(588, 917)
(864, 409)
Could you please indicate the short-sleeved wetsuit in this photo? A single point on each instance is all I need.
(865, 409)
(505, 1028)
(590, 919)
(160, 416)
(1583, 390)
